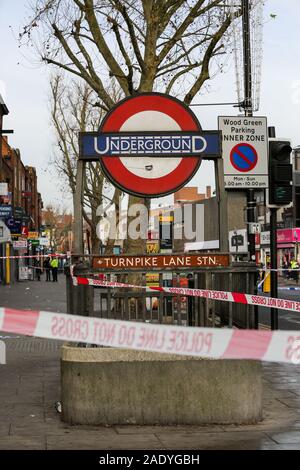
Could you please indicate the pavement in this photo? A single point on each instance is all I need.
(287, 289)
(30, 388)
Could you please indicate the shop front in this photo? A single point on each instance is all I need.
(287, 246)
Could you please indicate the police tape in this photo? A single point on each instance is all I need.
(57, 255)
(213, 343)
(236, 297)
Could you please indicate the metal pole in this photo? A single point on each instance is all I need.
(273, 254)
(251, 202)
(247, 58)
(222, 206)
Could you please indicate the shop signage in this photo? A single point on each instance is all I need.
(44, 241)
(33, 235)
(288, 235)
(3, 189)
(265, 238)
(152, 247)
(160, 261)
(4, 233)
(25, 231)
(14, 225)
(5, 211)
(20, 244)
(285, 235)
(18, 212)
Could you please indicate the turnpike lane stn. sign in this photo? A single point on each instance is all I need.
(245, 151)
(150, 145)
(160, 261)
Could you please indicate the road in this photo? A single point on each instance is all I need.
(286, 320)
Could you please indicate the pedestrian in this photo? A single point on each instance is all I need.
(54, 268)
(37, 268)
(285, 267)
(294, 272)
(47, 267)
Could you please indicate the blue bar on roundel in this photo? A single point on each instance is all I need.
(105, 145)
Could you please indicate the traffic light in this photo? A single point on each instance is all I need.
(280, 172)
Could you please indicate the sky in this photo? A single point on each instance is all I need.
(25, 88)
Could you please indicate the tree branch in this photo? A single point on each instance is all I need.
(209, 53)
(103, 48)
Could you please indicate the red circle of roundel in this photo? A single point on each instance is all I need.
(150, 187)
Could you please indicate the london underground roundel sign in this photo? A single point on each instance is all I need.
(150, 176)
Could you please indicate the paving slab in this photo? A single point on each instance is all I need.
(23, 443)
(169, 429)
(288, 437)
(232, 440)
(94, 440)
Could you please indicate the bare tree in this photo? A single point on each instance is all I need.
(172, 46)
(72, 112)
(58, 224)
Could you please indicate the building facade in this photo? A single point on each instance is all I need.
(20, 206)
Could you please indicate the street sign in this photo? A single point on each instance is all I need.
(160, 261)
(150, 145)
(238, 242)
(254, 227)
(245, 151)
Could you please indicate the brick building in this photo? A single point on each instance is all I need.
(20, 204)
(190, 194)
(32, 199)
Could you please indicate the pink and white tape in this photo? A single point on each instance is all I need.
(236, 297)
(60, 255)
(278, 346)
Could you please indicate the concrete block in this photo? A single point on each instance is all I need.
(110, 386)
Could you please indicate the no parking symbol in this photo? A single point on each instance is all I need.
(243, 157)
